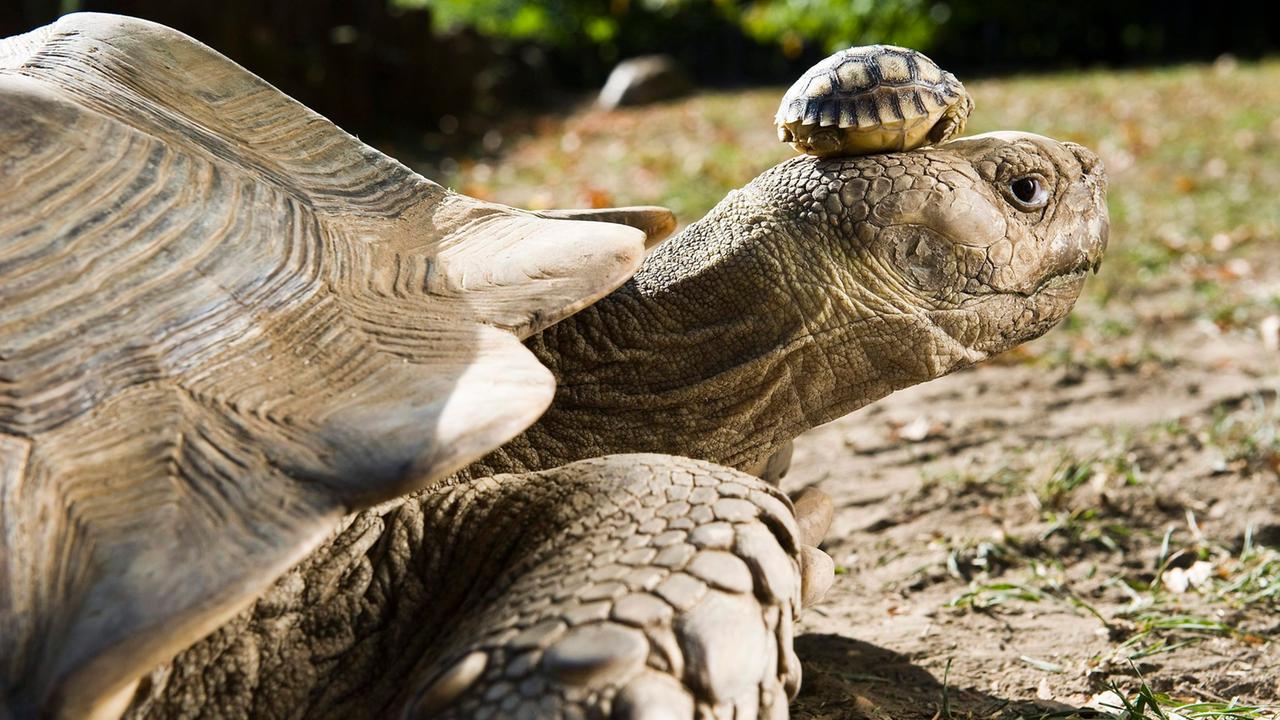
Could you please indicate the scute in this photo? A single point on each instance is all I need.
(894, 67)
(226, 323)
(878, 98)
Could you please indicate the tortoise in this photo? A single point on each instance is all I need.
(876, 98)
(289, 430)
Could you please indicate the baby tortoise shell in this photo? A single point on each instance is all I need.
(875, 98)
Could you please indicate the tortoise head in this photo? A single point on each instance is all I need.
(823, 285)
(932, 259)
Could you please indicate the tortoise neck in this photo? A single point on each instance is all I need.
(704, 354)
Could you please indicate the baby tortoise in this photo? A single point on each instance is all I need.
(871, 99)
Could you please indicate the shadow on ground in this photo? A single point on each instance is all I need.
(847, 679)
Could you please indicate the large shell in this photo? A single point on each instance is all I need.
(877, 98)
(224, 324)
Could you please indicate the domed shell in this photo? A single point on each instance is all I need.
(226, 324)
(875, 98)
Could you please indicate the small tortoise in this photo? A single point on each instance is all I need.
(271, 445)
(878, 98)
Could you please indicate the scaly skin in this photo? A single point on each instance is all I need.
(820, 287)
(637, 582)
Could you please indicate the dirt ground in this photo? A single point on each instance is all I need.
(979, 514)
(1098, 510)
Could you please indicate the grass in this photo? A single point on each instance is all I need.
(1102, 510)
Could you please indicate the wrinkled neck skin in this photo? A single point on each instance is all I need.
(723, 347)
(821, 286)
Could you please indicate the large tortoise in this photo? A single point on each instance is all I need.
(258, 382)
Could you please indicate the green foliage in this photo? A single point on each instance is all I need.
(837, 24)
(828, 24)
(555, 22)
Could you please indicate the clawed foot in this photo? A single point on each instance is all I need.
(814, 511)
(654, 587)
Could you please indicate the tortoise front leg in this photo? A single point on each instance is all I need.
(625, 586)
(644, 586)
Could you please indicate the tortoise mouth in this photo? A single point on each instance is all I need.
(1074, 274)
(1072, 279)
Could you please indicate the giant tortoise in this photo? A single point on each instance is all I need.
(271, 445)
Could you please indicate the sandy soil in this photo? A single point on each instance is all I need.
(946, 491)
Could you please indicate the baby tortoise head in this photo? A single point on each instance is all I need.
(877, 98)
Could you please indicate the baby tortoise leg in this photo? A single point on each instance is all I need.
(952, 122)
(821, 142)
(646, 586)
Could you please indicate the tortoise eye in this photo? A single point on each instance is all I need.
(1029, 191)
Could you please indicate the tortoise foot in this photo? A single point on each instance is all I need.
(651, 587)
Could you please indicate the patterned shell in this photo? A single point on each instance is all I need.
(876, 98)
(224, 324)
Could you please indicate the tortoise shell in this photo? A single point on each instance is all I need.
(226, 324)
(876, 98)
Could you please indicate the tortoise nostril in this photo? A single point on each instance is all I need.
(1089, 162)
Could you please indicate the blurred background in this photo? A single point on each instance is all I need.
(442, 73)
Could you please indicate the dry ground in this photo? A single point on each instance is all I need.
(1098, 510)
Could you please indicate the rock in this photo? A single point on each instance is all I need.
(643, 80)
